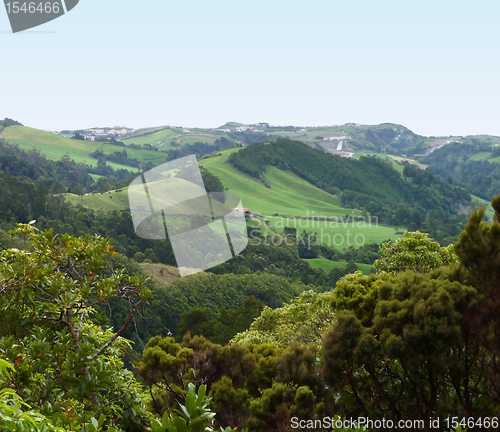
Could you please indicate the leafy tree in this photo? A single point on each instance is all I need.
(15, 414)
(67, 366)
(256, 387)
(478, 249)
(396, 344)
(414, 251)
(304, 320)
(351, 267)
(221, 328)
(197, 321)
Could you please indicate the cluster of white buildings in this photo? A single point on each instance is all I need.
(102, 135)
(338, 138)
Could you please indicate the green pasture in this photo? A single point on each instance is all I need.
(106, 202)
(328, 265)
(190, 138)
(152, 138)
(51, 145)
(142, 155)
(480, 156)
(479, 202)
(495, 159)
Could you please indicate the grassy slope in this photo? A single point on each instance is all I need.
(398, 167)
(162, 138)
(101, 202)
(53, 146)
(151, 138)
(288, 194)
(480, 156)
(485, 156)
(483, 203)
(142, 155)
(328, 265)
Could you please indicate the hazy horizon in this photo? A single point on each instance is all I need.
(117, 126)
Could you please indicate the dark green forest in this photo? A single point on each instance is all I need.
(481, 177)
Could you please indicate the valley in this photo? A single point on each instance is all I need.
(331, 238)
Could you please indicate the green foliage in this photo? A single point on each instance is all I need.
(6, 122)
(121, 157)
(194, 416)
(456, 161)
(16, 415)
(397, 342)
(215, 292)
(221, 328)
(336, 269)
(37, 167)
(212, 182)
(256, 387)
(478, 250)
(414, 251)
(304, 320)
(67, 366)
(351, 267)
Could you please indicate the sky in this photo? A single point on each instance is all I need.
(432, 66)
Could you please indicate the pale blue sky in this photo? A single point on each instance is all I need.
(432, 66)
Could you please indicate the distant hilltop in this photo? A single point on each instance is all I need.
(343, 140)
(9, 122)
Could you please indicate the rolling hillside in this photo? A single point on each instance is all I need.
(281, 195)
(54, 147)
(167, 138)
(51, 145)
(287, 193)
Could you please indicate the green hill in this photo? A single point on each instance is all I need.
(473, 164)
(285, 193)
(49, 144)
(294, 180)
(340, 233)
(167, 138)
(368, 183)
(54, 147)
(288, 194)
(153, 136)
